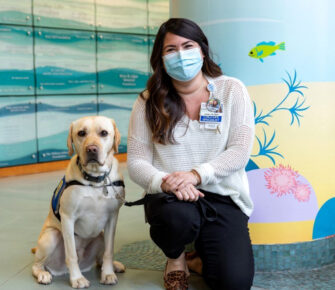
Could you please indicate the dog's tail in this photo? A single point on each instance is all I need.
(33, 250)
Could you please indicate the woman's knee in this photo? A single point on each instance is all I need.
(241, 281)
(176, 217)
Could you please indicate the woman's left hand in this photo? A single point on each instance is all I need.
(179, 179)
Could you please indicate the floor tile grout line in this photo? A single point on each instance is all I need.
(17, 273)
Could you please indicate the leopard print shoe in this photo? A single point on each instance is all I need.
(176, 280)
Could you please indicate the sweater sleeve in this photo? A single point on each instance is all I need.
(240, 139)
(140, 151)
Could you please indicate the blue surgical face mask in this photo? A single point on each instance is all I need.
(183, 65)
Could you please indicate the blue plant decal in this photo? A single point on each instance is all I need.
(295, 111)
(264, 149)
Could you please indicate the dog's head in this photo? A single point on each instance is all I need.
(94, 139)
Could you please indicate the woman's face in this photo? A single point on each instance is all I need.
(173, 43)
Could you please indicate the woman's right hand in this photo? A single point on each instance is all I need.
(186, 193)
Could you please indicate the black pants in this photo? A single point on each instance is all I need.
(222, 241)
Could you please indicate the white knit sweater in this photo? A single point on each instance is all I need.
(218, 157)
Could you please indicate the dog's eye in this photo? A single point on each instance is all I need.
(103, 133)
(81, 133)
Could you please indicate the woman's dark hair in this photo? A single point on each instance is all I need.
(164, 107)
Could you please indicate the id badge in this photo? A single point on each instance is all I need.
(211, 114)
(211, 111)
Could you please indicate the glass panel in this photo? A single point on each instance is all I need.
(16, 61)
(122, 62)
(65, 61)
(64, 13)
(17, 131)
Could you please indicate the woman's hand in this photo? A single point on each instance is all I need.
(188, 193)
(182, 184)
(179, 179)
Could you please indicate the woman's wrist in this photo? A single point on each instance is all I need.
(197, 176)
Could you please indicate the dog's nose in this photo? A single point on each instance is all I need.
(92, 152)
(92, 149)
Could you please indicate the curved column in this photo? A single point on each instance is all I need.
(282, 51)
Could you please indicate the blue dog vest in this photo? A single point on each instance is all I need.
(55, 201)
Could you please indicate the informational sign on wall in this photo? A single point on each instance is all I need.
(16, 12)
(122, 16)
(17, 131)
(122, 62)
(54, 117)
(16, 60)
(77, 14)
(65, 61)
(118, 107)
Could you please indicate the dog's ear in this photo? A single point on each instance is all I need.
(69, 141)
(117, 137)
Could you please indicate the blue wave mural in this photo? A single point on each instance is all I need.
(15, 34)
(17, 109)
(58, 79)
(18, 161)
(122, 79)
(62, 36)
(15, 77)
(15, 17)
(75, 109)
(115, 107)
(122, 41)
(62, 23)
(18, 153)
(53, 154)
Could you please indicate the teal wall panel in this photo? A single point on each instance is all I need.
(77, 14)
(16, 60)
(122, 16)
(122, 62)
(65, 61)
(17, 131)
(118, 107)
(16, 12)
(54, 116)
(158, 12)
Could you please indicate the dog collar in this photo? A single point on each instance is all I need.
(88, 177)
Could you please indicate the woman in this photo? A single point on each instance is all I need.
(193, 171)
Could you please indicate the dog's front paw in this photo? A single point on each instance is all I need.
(79, 283)
(118, 267)
(108, 279)
(44, 277)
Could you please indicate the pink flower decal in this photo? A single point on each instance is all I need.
(281, 180)
(302, 192)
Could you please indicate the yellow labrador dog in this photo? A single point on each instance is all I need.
(80, 227)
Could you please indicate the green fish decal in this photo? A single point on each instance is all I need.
(264, 49)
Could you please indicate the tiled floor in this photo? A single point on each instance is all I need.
(24, 204)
